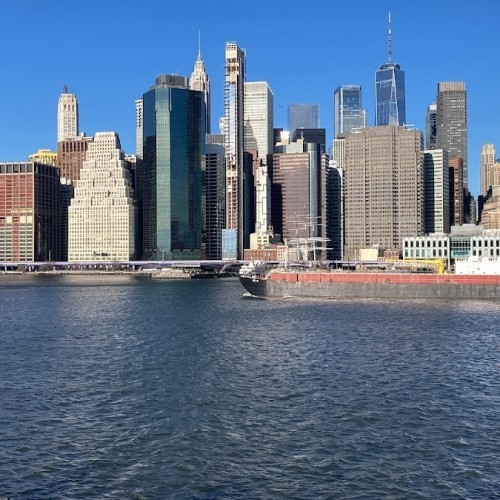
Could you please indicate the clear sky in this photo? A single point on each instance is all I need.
(108, 52)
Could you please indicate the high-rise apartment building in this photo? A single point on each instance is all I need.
(102, 214)
(487, 160)
(233, 130)
(299, 189)
(29, 212)
(436, 192)
(302, 115)
(383, 188)
(199, 81)
(390, 100)
(348, 109)
(451, 122)
(71, 155)
(170, 176)
(67, 116)
(214, 195)
(430, 126)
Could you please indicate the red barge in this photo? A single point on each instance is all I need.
(470, 283)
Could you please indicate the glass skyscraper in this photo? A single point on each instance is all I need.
(302, 116)
(390, 106)
(348, 110)
(390, 95)
(170, 176)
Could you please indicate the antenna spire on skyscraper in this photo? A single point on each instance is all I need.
(199, 44)
(389, 41)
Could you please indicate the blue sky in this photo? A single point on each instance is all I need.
(109, 52)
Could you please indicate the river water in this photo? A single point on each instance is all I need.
(117, 387)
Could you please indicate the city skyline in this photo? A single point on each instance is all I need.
(108, 71)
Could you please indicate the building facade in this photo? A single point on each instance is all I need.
(258, 141)
(302, 115)
(29, 212)
(383, 188)
(436, 191)
(138, 128)
(390, 99)
(456, 190)
(348, 112)
(258, 119)
(431, 127)
(45, 156)
(170, 176)
(469, 241)
(299, 185)
(233, 130)
(71, 155)
(199, 81)
(487, 160)
(67, 116)
(451, 122)
(102, 215)
(214, 195)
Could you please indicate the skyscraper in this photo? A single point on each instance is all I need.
(67, 116)
(233, 130)
(258, 119)
(138, 128)
(214, 194)
(390, 101)
(430, 127)
(170, 176)
(71, 155)
(29, 212)
(299, 189)
(383, 188)
(302, 116)
(457, 200)
(436, 191)
(451, 122)
(487, 161)
(199, 81)
(102, 214)
(259, 136)
(348, 109)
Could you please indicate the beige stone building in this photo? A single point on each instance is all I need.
(383, 188)
(103, 211)
(490, 216)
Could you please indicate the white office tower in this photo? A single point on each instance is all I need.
(258, 119)
(258, 140)
(103, 211)
(67, 116)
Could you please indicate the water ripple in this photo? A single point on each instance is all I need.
(130, 389)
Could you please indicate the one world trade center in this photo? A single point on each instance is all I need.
(390, 106)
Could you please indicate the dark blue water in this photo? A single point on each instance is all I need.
(122, 388)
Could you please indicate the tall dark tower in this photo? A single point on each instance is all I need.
(390, 107)
(451, 121)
